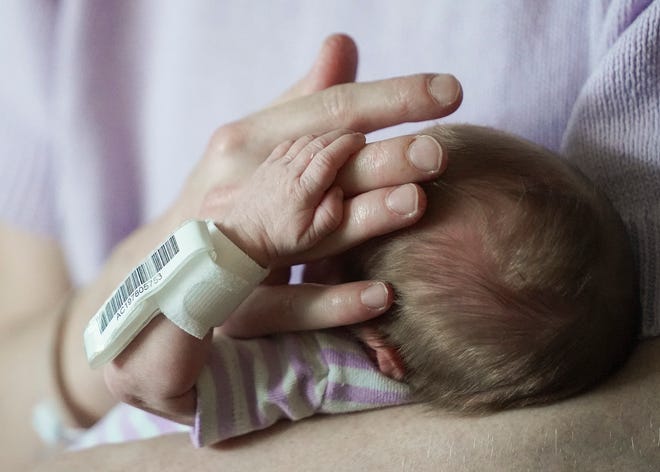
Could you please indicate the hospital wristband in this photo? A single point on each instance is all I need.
(196, 278)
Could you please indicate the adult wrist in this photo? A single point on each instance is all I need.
(70, 411)
(57, 418)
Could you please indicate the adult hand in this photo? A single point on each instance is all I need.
(375, 182)
(378, 198)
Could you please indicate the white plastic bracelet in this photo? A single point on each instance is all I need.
(196, 278)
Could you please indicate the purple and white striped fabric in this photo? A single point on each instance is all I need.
(251, 384)
(126, 423)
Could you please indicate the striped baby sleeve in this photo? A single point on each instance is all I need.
(248, 385)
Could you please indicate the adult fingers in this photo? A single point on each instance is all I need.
(368, 215)
(276, 309)
(157, 371)
(392, 162)
(362, 107)
(335, 64)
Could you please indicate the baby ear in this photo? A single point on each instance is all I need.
(386, 357)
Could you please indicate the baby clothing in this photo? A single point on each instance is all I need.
(250, 384)
(125, 423)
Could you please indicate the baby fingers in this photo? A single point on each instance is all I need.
(329, 213)
(319, 160)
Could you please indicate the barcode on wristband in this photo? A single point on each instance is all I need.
(142, 274)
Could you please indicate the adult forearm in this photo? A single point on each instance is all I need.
(30, 348)
(25, 370)
(614, 427)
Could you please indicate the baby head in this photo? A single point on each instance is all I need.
(516, 288)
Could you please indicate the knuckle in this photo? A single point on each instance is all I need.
(335, 307)
(120, 385)
(329, 221)
(287, 307)
(316, 146)
(306, 138)
(300, 193)
(289, 143)
(323, 159)
(282, 150)
(334, 104)
(228, 139)
(402, 101)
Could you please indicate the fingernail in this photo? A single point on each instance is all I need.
(445, 89)
(425, 154)
(374, 296)
(403, 200)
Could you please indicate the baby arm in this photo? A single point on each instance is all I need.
(288, 206)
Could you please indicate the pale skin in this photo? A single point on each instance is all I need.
(290, 202)
(596, 431)
(273, 223)
(613, 428)
(311, 107)
(288, 206)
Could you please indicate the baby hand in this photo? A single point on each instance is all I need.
(290, 204)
